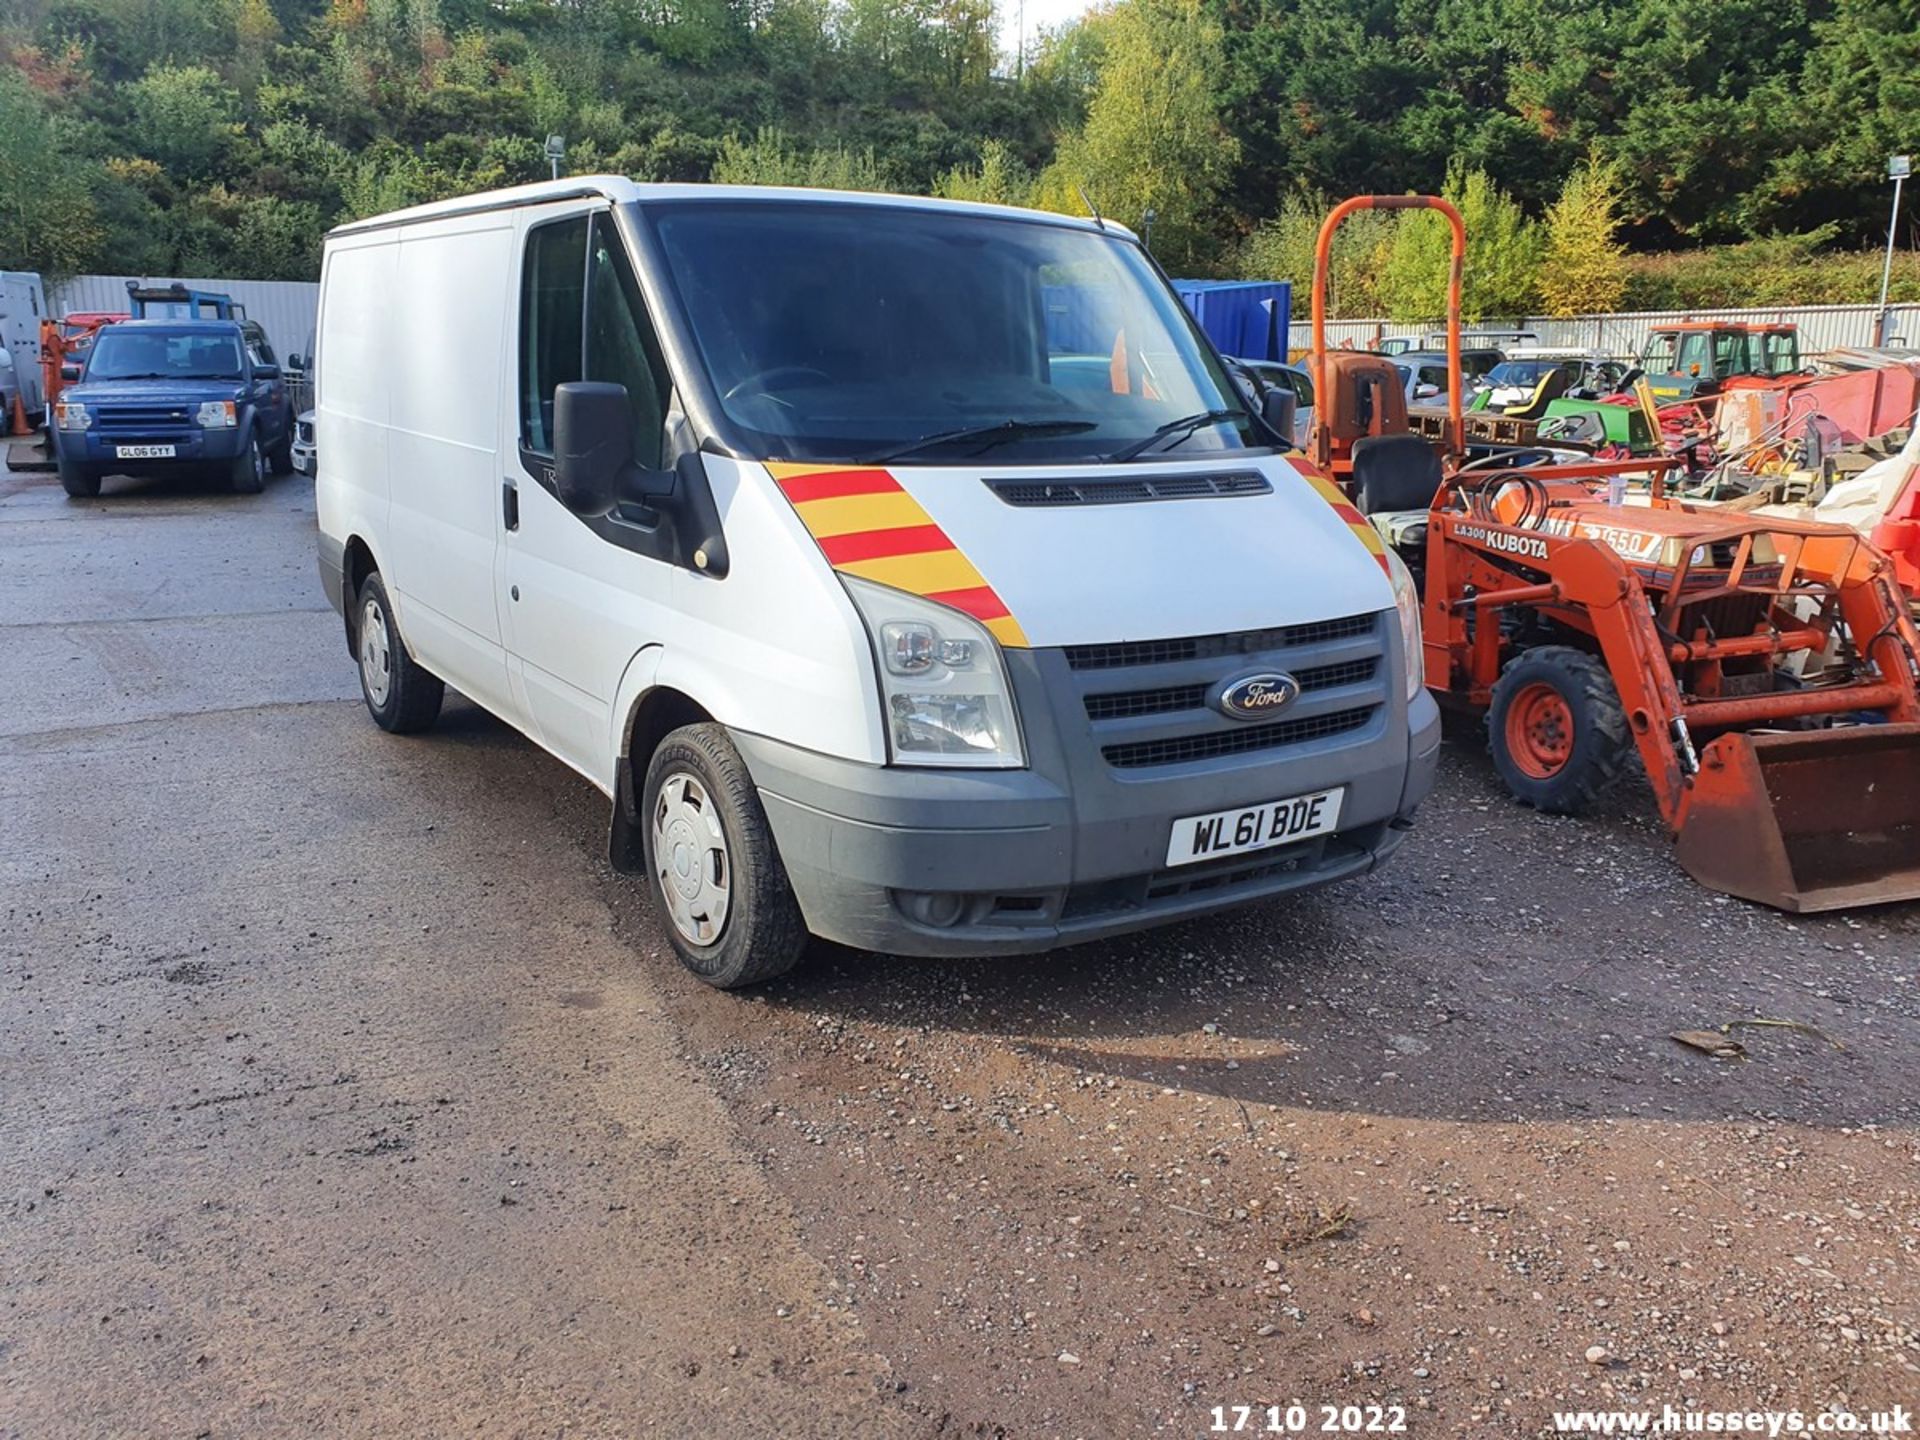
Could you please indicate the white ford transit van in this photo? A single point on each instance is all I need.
(907, 572)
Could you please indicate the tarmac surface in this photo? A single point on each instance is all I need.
(346, 1092)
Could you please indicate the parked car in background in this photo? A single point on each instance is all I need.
(1484, 339)
(159, 396)
(305, 453)
(1424, 372)
(1589, 374)
(1257, 377)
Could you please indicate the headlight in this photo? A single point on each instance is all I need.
(71, 415)
(1406, 600)
(218, 415)
(943, 685)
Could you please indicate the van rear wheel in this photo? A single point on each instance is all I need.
(402, 696)
(712, 864)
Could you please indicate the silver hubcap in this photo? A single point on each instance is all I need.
(376, 654)
(690, 859)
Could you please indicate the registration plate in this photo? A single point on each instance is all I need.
(143, 452)
(1257, 827)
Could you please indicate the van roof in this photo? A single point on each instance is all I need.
(620, 190)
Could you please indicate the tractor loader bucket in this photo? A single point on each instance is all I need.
(1807, 820)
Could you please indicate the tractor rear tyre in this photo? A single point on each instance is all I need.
(1557, 730)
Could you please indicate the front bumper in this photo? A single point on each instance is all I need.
(954, 863)
(191, 446)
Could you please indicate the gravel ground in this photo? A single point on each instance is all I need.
(349, 1093)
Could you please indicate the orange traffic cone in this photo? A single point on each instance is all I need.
(20, 426)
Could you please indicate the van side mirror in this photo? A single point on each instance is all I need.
(70, 370)
(593, 469)
(1278, 407)
(296, 361)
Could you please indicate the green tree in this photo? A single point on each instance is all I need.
(999, 178)
(186, 118)
(1282, 248)
(48, 217)
(1584, 269)
(1502, 262)
(1152, 140)
(770, 158)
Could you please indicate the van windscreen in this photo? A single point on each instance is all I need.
(850, 331)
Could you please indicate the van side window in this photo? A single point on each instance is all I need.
(552, 285)
(621, 345)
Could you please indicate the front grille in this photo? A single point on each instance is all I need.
(1129, 704)
(1205, 647)
(1176, 750)
(1130, 491)
(1332, 677)
(141, 417)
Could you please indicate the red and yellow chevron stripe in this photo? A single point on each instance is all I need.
(866, 524)
(1343, 507)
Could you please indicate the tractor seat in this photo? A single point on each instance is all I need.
(1394, 472)
(1551, 387)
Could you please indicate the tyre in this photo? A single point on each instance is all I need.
(248, 472)
(80, 481)
(715, 873)
(1557, 730)
(402, 696)
(280, 457)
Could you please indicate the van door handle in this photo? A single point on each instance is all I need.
(510, 504)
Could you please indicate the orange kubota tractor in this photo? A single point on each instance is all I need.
(1764, 670)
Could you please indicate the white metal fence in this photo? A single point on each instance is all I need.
(286, 308)
(1822, 327)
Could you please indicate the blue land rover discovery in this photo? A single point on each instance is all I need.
(159, 395)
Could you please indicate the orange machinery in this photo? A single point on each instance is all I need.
(1765, 671)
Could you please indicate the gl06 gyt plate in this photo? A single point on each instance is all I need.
(1254, 827)
(143, 452)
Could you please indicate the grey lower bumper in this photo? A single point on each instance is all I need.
(954, 863)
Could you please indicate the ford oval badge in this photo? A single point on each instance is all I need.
(1257, 697)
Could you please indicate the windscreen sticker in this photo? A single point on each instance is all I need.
(866, 524)
(1356, 522)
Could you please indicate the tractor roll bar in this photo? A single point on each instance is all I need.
(1322, 253)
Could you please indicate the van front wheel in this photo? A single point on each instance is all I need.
(402, 696)
(716, 875)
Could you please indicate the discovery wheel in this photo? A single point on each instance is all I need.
(715, 872)
(248, 472)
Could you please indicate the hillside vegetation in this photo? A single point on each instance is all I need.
(1608, 152)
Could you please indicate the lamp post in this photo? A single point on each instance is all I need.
(556, 152)
(1898, 168)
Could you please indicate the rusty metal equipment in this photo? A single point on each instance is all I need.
(1359, 395)
(1763, 669)
(63, 343)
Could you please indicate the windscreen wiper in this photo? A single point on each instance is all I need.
(987, 435)
(1182, 427)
